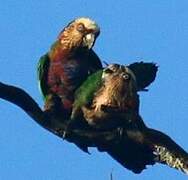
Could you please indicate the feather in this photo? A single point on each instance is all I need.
(145, 73)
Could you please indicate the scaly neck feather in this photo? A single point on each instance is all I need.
(66, 45)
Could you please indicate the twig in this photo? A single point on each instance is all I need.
(111, 176)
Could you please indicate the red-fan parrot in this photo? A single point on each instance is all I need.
(67, 64)
(110, 88)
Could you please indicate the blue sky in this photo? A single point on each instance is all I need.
(131, 30)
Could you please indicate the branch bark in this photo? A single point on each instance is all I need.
(145, 144)
(19, 97)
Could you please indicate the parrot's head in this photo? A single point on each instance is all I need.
(120, 77)
(115, 100)
(119, 87)
(82, 32)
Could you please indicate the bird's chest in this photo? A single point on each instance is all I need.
(112, 106)
(66, 76)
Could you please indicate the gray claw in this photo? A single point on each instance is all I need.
(120, 131)
(64, 136)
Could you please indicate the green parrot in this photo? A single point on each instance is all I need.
(93, 94)
(67, 64)
(109, 100)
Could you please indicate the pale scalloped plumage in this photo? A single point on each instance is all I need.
(88, 23)
(70, 37)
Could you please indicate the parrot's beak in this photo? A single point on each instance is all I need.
(89, 40)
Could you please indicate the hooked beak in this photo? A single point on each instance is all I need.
(89, 40)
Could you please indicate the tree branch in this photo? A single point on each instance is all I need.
(22, 99)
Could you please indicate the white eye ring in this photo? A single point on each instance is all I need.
(126, 76)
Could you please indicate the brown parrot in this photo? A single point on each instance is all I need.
(110, 102)
(67, 64)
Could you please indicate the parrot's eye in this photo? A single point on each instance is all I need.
(80, 27)
(126, 76)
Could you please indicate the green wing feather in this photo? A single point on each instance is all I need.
(42, 71)
(85, 93)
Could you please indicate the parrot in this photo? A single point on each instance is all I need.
(118, 82)
(109, 100)
(69, 61)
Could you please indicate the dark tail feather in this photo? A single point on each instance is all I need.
(145, 73)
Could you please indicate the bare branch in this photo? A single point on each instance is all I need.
(22, 99)
(135, 141)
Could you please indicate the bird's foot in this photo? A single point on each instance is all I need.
(59, 132)
(120, 132)
(68, 128)
(64, 136)
(66, 132)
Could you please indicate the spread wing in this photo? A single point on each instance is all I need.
(145, 73)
